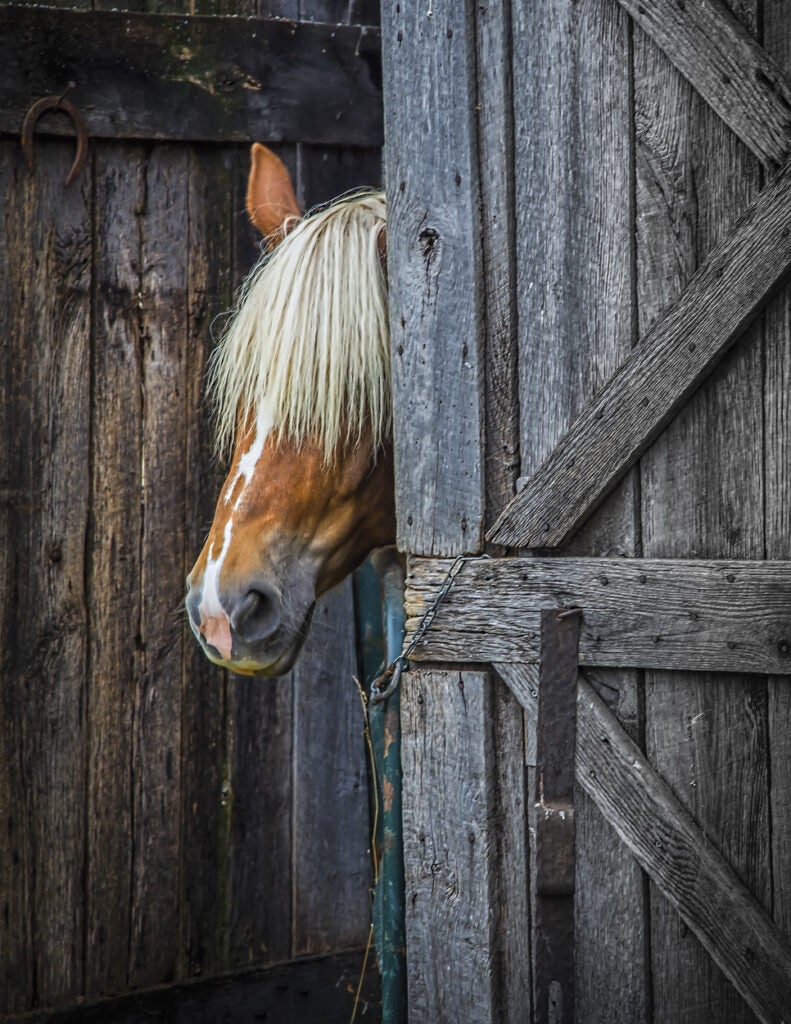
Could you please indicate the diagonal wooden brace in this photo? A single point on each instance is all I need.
(555, 853)
(671, 361)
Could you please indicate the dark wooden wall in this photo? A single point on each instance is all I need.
(602, 180)
(161, 820)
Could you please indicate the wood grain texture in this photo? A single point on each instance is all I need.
(677, 853)
(447, 748)
(45, 296)
(331, 829)
(435, 273)
(777, 463)
(198, 78)
(724, 63)
(573, 151)
(157, 734)
(116, 662)
(496, 156)
(205, 804)
(511, 953)
(702, 496)
(673, 358)
(645, 613)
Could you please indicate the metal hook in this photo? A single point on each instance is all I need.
(56, 103)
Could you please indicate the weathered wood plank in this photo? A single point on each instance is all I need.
(156, 766)
(496, 156)
(114, 563)
(331, 828)
(675, 851)
(45, 293)
(316, 990)
(434, 262)
(447, 749)
(671, 361)
(701, 496)
(205, 807)
(574, 130)
(725, 64)
(641, 613)
(213, 79)
(260, 793)
(777, 468)
(512, 940)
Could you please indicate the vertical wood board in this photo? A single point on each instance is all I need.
(114, 563)
(702, 488)
(777, 504)
(573, 154)
(43, 614)
(447, 749)
(434, 267)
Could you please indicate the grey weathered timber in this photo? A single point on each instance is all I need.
(725, 64)
(573, 131)
(496, 157)
(511, 955)
(449, 845)
(674, 850)
(434, 264)
(153, 76)
(643, 613)
(701, 497)
(777, 469)
(673, 358)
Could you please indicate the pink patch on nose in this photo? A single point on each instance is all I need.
(217, 631)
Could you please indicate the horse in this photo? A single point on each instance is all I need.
(301, 387)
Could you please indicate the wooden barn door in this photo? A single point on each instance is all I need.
(589, 244)
(163, 822)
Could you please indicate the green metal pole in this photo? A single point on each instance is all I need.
(385, 726)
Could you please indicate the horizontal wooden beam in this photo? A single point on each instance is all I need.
(730, 70)
(669, 364)
(214, 79)
(637, 613)
(738, 933)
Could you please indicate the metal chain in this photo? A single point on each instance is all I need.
(390, 678)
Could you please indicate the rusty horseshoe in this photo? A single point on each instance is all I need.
(29, 127)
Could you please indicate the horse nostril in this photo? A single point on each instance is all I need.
(257, 614)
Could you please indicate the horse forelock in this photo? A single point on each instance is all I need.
(309, 336)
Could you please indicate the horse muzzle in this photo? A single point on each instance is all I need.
(246, 631)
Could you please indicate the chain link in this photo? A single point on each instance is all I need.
(390, 678)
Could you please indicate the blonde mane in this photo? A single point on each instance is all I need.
(309, 334)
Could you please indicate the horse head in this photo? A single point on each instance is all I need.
(301, 385)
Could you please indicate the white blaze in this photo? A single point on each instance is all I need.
(210, 605)
(248, 462)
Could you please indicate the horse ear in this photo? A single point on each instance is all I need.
(271, 201)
